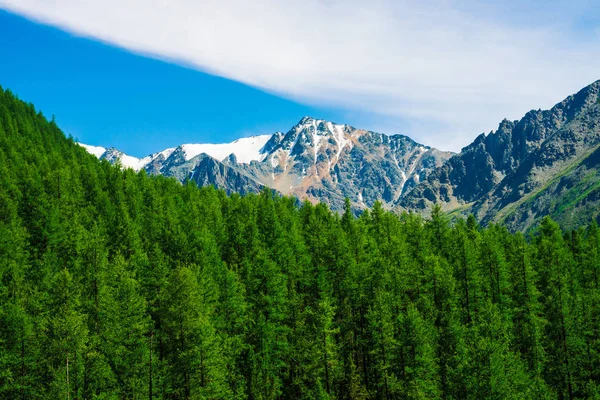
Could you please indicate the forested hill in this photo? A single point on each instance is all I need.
(117, 285)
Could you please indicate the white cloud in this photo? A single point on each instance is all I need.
(455, 66)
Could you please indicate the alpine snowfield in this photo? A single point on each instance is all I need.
(245, 150)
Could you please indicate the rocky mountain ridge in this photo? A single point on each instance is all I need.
(499, 175)
(316, 160)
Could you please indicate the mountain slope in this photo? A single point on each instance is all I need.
(524, 170)
(316, 160)
(558, 177)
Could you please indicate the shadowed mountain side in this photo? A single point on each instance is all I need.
(539, 157)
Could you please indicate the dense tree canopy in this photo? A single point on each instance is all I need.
(118, 285)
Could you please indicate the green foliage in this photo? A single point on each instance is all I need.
(117, 285)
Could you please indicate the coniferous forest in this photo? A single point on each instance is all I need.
(119, 285)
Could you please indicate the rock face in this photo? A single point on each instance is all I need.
(209, 171)
(316, 160)
(321, 161)
(544, 164)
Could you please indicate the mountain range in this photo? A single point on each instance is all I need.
(544, 164)
(315, 160)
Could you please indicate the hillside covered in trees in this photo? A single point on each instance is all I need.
(118, 285)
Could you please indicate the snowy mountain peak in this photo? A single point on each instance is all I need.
(306, 121)
(316, 125)
(312, 135)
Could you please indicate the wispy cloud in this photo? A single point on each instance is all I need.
(446, 70)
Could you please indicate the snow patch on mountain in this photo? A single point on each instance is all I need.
(338, 134)
(316, 138)
(245, 149)
(134, 163)
(95, 150)
(165, 153)
(403, 182)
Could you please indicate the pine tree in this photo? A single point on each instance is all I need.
(420, 377)
(554, 266)
(66, 337)
(195, 366)
(124, 328)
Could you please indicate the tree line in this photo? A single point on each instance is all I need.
(119, 285)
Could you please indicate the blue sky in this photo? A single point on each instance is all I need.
(106, 96)
(142, 75)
